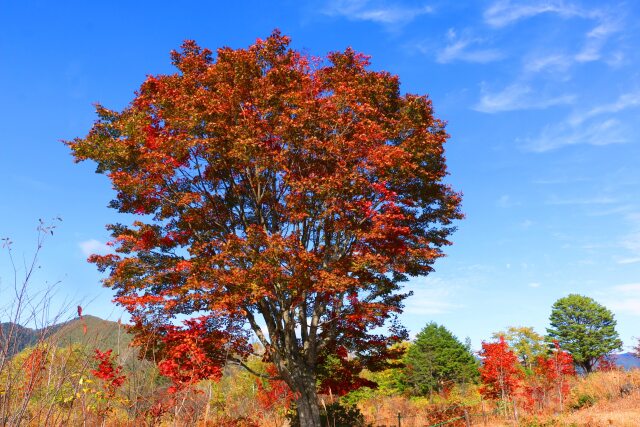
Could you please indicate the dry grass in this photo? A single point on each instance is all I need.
(617, 400)
(602, 399)
(624, 412)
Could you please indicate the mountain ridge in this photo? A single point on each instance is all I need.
(85, 330)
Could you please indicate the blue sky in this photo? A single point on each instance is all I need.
(542, 100)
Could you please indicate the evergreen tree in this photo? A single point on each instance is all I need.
(437, 358)
(584, 328)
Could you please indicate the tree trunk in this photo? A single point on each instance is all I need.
(307, 402)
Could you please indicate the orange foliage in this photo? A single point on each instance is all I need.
(271, 187)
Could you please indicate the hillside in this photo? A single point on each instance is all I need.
(23, 337)
(103, 334)
(100, 333)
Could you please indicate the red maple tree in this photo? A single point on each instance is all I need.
(33, 369)
(272, 189)
(500, 372)
(195, 351)
(549, 381)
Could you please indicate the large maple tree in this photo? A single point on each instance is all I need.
(278, 195)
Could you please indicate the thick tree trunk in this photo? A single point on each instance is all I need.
(307, 402)
(308, 410)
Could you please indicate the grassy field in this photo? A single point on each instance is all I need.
(600, 399)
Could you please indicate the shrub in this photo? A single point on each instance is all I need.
(583, 401)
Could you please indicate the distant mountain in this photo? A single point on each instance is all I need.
(22, 337)
(100, 333)
(88, 331)
(627, 360)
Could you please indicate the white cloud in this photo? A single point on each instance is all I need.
(628, 288)
(629, 306)
(604, 25)
(460, 48)
(584, 201)
(505, 201)
(589, 126)
(506, 12)
(625, 298)
(432, 296)
(631, 243)
(553, 62)
(613, 210)
(596, 40)
(624, 261)
(376, 11)
(625, 101)
(598, 133)
(518, 96)
(93, 246)
(534, 285)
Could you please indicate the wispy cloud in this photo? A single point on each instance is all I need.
(568, 179)
(625, 298)
(597, 38)
(505, 201)
(506, 12)
(519, 96)
(555, 63)
(595, 126)
(93, 246)
(465, 48)
(631, 243)
(381, 12)
(603, 25)
(584, 201)
(597, 133)
(625, 101)
(630, 288)
(432, 296)
(610, 210)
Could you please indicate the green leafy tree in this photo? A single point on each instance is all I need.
(584, 328)
(438, 358)
(526, 343)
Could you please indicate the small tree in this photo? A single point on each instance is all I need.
(110, 376)
(554, 371)
(500, 373)
(436, 358)
(525, 342)
(584, 328)
(279, 195)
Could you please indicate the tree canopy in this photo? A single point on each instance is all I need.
(436, 359)
(584, 328)
(278, 195)
(525, 342)
(500, 372)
